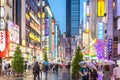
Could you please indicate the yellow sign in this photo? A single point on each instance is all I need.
(43, 15)
(23, 42)
(27, 17)
(35, 28)
(38, 14)
(101, 7)
(32, 36)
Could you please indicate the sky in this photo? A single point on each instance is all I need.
(58, 8)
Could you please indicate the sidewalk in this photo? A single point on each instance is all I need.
(11, 77)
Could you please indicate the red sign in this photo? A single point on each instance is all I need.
(2, 41)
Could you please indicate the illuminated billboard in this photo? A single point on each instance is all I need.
(52, 35)
(100, 30)
(84, 15)
(101, 8)
(88, 10)
(117, 7)
(2, 41)
(14, 32)
(110, 44)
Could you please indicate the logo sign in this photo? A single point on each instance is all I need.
(101, 7)
(110, 45)
(2, 41)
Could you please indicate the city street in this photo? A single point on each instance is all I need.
(51, 76)
(29, 76)
(80, 39)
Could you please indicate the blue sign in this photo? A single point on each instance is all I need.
(100, 30)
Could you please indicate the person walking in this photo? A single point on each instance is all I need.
(106, 73)
(84, 72)
(41, 67)
(25, 67)
(56, 68)
(46, 71)
(93, 73)
(65, 75)
(116, 72)
(36, 70)
(68, 67)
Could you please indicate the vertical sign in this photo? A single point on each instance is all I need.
(52, 35)
(117, 7)
(100, 30)
(101, 7)
(47, 27)
(2, 41)
(84, 15)
(110, 45)
(88, 10)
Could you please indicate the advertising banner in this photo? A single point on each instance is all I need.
(14, 32)
(101, 8)
(84, 15)
(117, 8)
(2, 41)
(100, 30)
(88, 10)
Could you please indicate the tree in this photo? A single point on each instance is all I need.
(18, 61)
(45, 57)
(75, 64)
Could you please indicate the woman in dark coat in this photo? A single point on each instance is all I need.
(93, 73)
(106, 72)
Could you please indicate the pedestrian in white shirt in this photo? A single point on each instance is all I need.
(116, 72)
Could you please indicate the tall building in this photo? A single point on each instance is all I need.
(72, 17)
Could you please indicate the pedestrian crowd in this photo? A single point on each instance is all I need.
(55, 68)
(109, 72)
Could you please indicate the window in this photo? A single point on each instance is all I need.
(115, 38)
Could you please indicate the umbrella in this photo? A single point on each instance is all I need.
(46, 62)
(106, 62)
(93, 65)
(82, 62)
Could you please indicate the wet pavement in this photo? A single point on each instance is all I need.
(51, 76)
(29, 76)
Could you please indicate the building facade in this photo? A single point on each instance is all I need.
(72, 17)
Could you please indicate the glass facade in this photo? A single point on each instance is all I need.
(72, 17)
